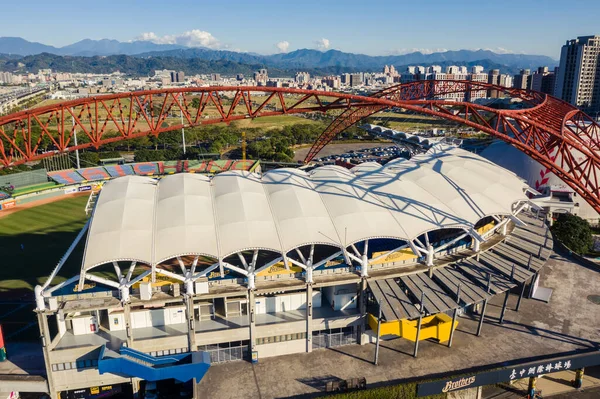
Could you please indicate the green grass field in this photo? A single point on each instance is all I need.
(35, 187)
(45, 232)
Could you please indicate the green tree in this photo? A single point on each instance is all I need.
(574, 232)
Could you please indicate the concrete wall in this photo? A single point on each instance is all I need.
(77, 379)
(160, 344)
(281, 348)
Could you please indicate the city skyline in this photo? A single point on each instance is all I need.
(271, 27)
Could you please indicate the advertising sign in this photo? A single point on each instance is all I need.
(97, 392)
(85, 188)
(519, 371)
(9, 204)
(71, 190)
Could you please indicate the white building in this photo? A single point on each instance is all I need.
(578, 80)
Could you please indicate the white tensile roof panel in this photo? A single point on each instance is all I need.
(139, 218)
(122, 224)
(299, 212)
(243, 215)
(356, 213)
(185, 223)
(414, 208)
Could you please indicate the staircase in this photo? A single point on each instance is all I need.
(91, 203)
(131, 363)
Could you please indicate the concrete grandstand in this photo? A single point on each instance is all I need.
(245, 265)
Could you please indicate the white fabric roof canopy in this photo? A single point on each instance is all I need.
(149, 221)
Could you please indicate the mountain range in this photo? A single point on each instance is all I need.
(298, 59)
(86, 47)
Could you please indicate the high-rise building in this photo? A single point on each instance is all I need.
(332, 81)
(543, 80)
(578, 80)
(302, 77)
(523, 80)
(215, 77)
(356, 79)
(261, 77)
(494, 79)
(177, 77)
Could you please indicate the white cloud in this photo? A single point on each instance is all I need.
(322, 44)
(500, 50)
(191, 38)
(283, 46)
(419, 50)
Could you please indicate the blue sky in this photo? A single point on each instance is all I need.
(369, 27)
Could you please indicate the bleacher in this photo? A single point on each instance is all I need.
(94, 173)
(67, 176)
(97, 173)
(147, 168)
(119, 170)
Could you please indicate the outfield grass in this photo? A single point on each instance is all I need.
(35, 187)
(272, 122)
(33, 240)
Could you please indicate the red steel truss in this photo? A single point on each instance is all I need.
(554, 133)
(549, 130)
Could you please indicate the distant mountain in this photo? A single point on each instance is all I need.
(89, 48)
(86, 47)
(307, 59)
(20, 46)
(127, 64)
(138, 66)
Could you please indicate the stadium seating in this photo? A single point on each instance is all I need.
(170, 167)
(197, 166)
(119, 170)
(242, 165)
(220, 165)
(95, 173)
(146, 168)
(68, 176)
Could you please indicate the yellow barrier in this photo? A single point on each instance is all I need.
(437, 327)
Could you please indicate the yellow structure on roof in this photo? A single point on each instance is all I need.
(437, 326)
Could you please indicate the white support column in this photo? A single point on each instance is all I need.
(309, 316)
(251, 283)
(430, 252)
(504, 228)
(124, 293)
(40, 304)
(476, 245)
(309, 274)
(364, 263)
(252, 322)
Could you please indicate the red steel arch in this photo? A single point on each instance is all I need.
(554, 133)
(549, 130)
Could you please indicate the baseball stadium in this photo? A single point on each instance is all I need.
(208, 277)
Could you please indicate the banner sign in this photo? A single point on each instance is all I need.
(9, 204)
(71, 190)
(94, 392)
(504, 374)
(85, 188)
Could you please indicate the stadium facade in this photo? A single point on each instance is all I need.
(247, 266)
